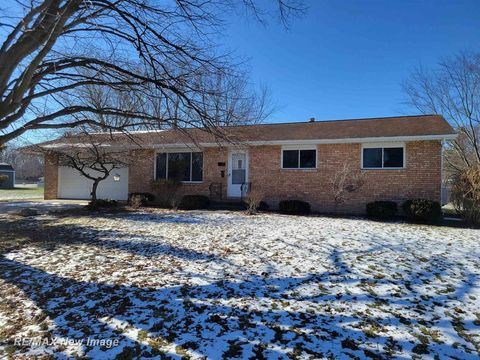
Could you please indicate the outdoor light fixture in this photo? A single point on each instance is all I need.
(116, 177)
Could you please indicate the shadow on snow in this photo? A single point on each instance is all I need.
(257, 316)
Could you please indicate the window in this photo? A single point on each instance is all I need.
(383, 157)
(238, 168)
(372, 158)
(181, 166)
(299, 159)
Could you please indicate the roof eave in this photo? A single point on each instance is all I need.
(445, 137)
(440, 137)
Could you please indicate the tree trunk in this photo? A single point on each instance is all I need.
(94, 191)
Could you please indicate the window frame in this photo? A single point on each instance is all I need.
(384, 146)
(180, 150)
(298, 148)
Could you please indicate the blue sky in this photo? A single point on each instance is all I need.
(347, 59)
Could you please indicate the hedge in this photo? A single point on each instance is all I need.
(422, 210)
(382, 210)
(294, 207)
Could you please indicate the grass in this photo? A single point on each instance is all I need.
(204, 284)
(21, 193)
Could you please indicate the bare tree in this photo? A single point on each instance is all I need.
(465, 194)
(27, 166)
(345, 182)
(453, 90)
(235, 102)
(52, 47)
(91, 156)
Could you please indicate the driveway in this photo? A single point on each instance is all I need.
(42, 206)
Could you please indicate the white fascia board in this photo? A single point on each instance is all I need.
(300, 147)
(344, 141)
(276, 142)
(172, 147)
(308, 142)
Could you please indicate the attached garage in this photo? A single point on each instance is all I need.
(73, 185)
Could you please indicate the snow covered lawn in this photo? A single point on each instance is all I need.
(219, 284)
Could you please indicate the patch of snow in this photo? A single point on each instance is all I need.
(213, 284)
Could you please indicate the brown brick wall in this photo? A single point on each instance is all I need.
(421, 178)
(141, 173)
(51, 177)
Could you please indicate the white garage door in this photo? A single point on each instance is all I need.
(72, 185)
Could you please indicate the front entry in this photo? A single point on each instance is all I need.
(237, 174)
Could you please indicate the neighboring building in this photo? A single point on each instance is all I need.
(8, 171)
(401, 158)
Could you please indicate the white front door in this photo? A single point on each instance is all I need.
(237, 173)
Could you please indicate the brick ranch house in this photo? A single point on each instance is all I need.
(401, 158)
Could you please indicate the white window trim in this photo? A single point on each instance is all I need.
(177, 150)
(299, 147)
(382, 146)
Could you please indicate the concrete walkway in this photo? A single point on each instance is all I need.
(42, 206)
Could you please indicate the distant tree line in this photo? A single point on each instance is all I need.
(452, 89)
(27, 167)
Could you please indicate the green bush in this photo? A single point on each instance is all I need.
(423, 210)
(294, 207)
(382, 210)
(194, 202)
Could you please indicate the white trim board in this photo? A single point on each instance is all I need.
(164, 147)
(354, 140)
(327, 141)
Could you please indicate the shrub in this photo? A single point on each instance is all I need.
(148, 197)
(422, 210)
(3, 178)
(136, 201)
(194, 202)
(166, 192)
(254, 203)
(174, 201)
(101, 203)
(139, 199)
(294, 207)
(346, 181)
(382, 210)
(263, 206)
(465, 194)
